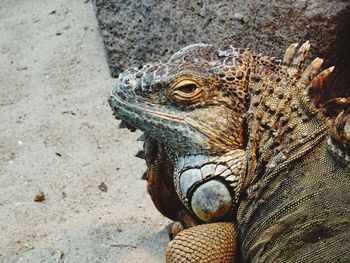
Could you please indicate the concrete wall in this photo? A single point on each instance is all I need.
(140, 31)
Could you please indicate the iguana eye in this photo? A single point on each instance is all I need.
(186, 91)
(187, 88)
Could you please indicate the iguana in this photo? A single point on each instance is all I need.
(244, 152)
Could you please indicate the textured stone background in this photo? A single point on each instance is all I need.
(139, 31)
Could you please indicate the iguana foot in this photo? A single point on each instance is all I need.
(214, 243)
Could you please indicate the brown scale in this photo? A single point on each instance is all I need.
(258, 99)
(275, 104)
(233, 87)
(286, 121)
(279, 119)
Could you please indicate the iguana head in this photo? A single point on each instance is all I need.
(195, 101)
(194, 106)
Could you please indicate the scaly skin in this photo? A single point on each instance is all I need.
(246, 139)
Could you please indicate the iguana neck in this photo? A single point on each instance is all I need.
(281, 121)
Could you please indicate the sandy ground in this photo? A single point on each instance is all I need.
(58, 136)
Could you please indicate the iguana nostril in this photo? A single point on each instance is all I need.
(156, 86)
(127, 80)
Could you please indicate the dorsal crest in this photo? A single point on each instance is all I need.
(287, 109)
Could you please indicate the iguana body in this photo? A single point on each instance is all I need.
(238, 137)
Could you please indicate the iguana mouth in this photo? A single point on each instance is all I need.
(160, 123)
(118, 102)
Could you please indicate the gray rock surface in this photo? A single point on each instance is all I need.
(140, 31)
